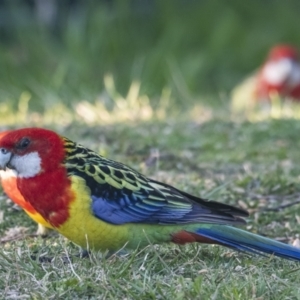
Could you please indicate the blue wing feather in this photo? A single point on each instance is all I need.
(171, 208)
(122, 195)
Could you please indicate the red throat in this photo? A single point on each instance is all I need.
(50, 194)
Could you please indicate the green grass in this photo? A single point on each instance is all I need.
(251, 164)
(130, 81)
(152, 273)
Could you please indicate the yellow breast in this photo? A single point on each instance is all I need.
(86, 230)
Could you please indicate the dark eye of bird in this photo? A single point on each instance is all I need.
(23, 144)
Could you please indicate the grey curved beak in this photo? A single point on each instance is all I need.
(5, 157)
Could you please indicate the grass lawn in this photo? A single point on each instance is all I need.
(251, 164)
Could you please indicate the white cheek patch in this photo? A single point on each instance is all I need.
(278, 72)
(27, 165)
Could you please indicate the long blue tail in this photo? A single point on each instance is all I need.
(242, 240)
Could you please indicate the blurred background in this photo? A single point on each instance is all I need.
(65, 52)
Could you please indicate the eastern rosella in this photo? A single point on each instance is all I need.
(279, 75)
(101, 204)
(9, 185)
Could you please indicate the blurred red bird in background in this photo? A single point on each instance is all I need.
(279, 76)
